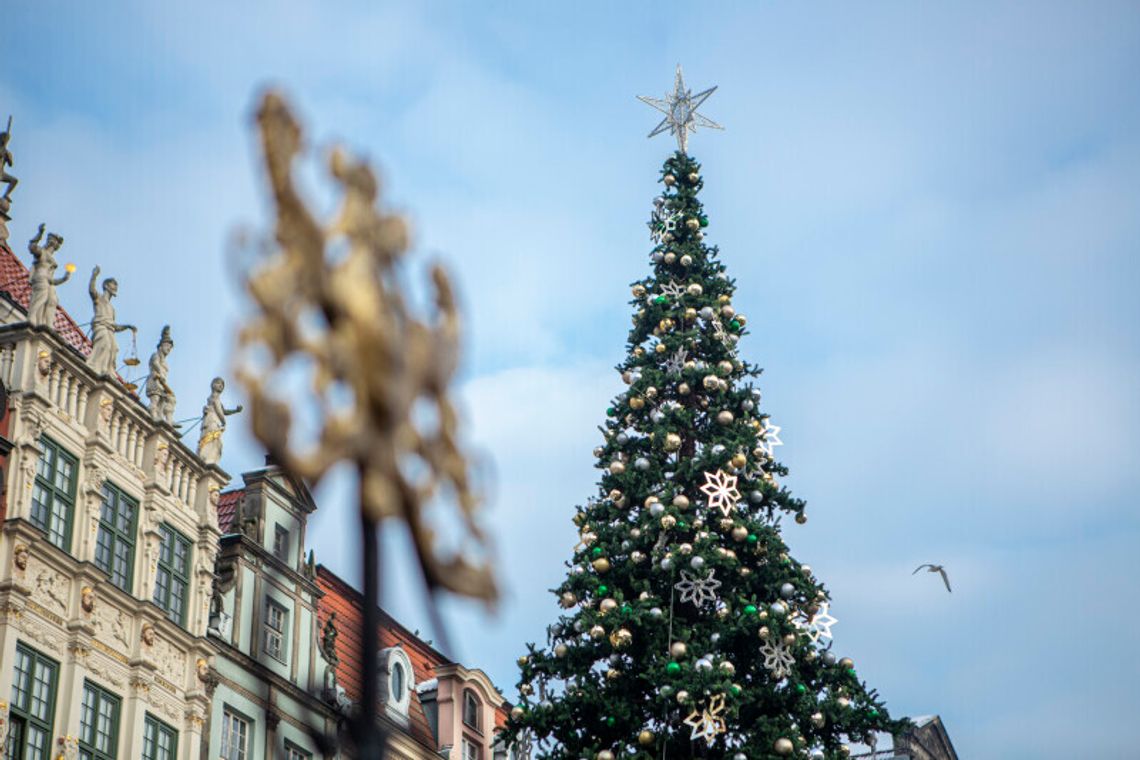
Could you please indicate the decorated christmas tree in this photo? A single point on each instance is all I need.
(688, 629)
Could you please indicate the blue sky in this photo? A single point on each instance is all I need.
(932, 212)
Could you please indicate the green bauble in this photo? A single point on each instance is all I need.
(704, 220)
(753, 538)
(673, 668)
(603, 589)
(801, 689)
(610, 721)
(750, 609)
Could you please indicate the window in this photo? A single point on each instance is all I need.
(470, 710)
(32, 709)
(293, 752)
(53, 495)
(281, 542)
(98, 724)
(115, 544)
(160, 741)
(235, 736)
(470, 750)
(396, 681)
(275, 630)
(173, 576)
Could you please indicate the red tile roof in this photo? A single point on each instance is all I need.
(345, 601)
(14, 280)
(228, 504)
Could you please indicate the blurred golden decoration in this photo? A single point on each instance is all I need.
(328, 297)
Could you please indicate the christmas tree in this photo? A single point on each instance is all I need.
(688, 629)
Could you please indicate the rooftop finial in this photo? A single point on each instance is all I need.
(680, 109)
(5, 177)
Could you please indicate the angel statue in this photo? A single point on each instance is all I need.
(104, 355)
(44, 299)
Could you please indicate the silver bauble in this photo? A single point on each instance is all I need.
(667, 564)
(656, 509)
(787, 590)
(779, 609)
(655, 613)
(641, 463)
(697, 562)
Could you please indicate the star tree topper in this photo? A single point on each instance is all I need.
(680, 109)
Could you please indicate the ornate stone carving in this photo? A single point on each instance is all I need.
(51, 589)
(161, 459)
(20, 557)
(105, 672)
(87, 599)
(6, 178)
(148, 634)
(43, 364)
(110, 624)
(38, 633)
(106, 412)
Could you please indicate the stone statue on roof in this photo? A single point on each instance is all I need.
(328, 640)
(104, 355)
(6, 178)
(158, 391)
(44, 299)
(214, 415)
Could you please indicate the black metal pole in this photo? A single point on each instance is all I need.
(369, 738)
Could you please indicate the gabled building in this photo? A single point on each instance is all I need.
(925, 740)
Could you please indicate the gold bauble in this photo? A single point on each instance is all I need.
(670, 180)
(613, 674)
(723, 612)
(844, 750)
(569, 599)
(685, 548)
(650, 501)
(847, 663)
(621, 638)
(686, 260)
(743, 320)
(764, 633)
(681, 501)
(660, 348)
(636, 557)
(722, 298)
(694, 178)
(607, 604)
(690, 314)
(763, 615)
(617, 467)
(523, 660)
(561, 650)
(639, 351)
(843, 702)
(739, 533)
(605, 754)
(651, 392)
(817, 719)
(690, 364)
(678, 649)
(672, 441)
(693, 224)
(646, 738)
(627, 377)
(597, 632)
(789, 639)
(783, 746)
(517, 712)
(670, 257)
(745, 572)
(727, 668)
(739, 460)
(724, 367)
(598, 451)
(682, 696)
(724, 417)
(637, 402)
(711, 382)
(759, 454)
(601, 564)
(683, 389)
(615, 495)
(665, 324)
(727, 311)
(638, 291)
(668, 522)
(801, 518)
(694, 289)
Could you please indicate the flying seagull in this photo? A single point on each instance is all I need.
(935, 569)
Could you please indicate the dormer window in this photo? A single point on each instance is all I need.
(395, 678)
(471, 710)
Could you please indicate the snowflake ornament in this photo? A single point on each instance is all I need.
(770, 437)
(720, 487)
(816, 627)
(708, 723)
(699, 591)
(718, 331)
(777, 659)
(673, 290)
(675, 363)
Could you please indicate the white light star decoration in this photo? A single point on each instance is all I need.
(708, 723)
(818, 626)
(770, 437)
(777, 659)
(675, 363)
(680, 109)
(672, 289)
(721, 489)
(699, 591)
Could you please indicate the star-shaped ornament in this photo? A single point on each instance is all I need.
(721, 489)
(699, 591)
(777, 659)
(672, 289)
(708, 723)
(770, 437)
(818, 626)
(680, 109)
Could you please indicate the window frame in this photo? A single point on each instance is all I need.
(88, 750)
(469, 694)
(160, 727)
(294, 752)
(20, 715)
(229, 717)
(117, 535)
(163, 593)
(281, 541)
(269, 630)
(52, 453)
(476, 750)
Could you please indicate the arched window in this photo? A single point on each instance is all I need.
(471, 710)
(395, 678)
